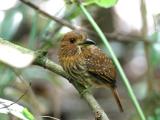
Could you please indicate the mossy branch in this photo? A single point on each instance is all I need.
(43, 61)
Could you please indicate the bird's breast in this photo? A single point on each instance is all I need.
(74, 66)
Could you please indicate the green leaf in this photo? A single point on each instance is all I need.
(14, 55)
(27, 114)
(10, 107)
(101, 3)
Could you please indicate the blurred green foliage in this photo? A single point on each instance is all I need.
(4, 117)
(12, 21)
(155, 49)
(101, 3)
(37, 32)
(7, 76)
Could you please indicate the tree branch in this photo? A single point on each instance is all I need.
(126, 38)
(58, 20)
(112, 36)
(43, 61)
(147, 46)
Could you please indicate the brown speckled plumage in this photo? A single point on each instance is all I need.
(81, 59)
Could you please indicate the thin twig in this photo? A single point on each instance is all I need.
(58, 20)
(144, 31)
(126, 38)
(31, 95)
(50, 117)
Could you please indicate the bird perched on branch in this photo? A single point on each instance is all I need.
(86, 63)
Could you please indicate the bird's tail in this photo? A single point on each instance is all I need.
(117, 98)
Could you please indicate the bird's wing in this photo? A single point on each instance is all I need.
(100, 66)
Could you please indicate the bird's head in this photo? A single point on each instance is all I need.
(76, 38)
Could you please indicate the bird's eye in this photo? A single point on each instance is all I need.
(72, 40)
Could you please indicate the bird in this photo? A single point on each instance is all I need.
(86, 63)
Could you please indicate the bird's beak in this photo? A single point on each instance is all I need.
(89, 42)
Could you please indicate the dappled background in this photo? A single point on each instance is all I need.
(132, 28)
